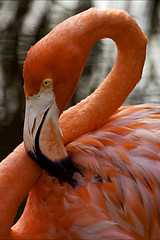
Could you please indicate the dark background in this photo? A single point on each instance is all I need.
(24, 22)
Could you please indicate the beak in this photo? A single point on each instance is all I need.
(43, 138)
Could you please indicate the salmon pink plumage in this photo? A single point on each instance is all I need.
(100, 160)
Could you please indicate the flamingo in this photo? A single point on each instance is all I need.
(100, 160)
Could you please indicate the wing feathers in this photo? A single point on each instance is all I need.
(123, 160)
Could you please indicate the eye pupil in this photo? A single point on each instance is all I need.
(47, 83)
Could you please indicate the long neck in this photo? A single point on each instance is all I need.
(93, 112)
(18, 173)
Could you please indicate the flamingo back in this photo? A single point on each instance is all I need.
(118, 191)
(122, 160)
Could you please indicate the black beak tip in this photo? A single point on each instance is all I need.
(62, 169)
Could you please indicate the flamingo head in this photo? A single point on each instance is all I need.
(51, 71)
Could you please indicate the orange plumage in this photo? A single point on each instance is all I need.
(113, 188)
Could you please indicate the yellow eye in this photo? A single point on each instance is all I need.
(46, 83)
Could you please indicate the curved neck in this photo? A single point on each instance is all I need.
(93, 112)
(18, 173)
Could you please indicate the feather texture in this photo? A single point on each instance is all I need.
(119, 193)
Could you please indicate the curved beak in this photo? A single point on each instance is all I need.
(43, 139)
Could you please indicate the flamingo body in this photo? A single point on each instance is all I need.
(118, 197)
(105, 159)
